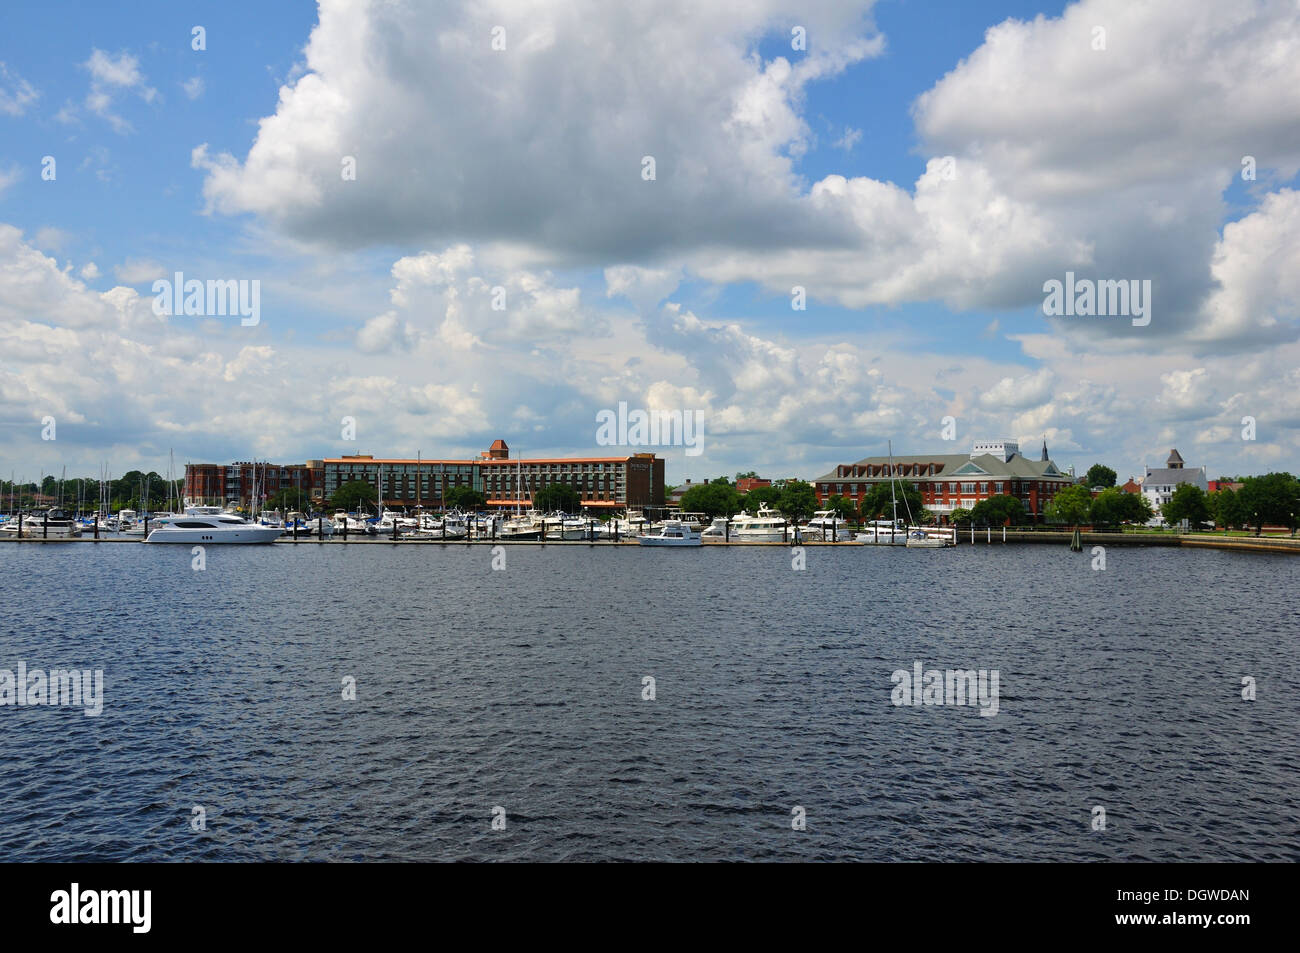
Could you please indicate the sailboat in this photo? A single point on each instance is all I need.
(920, 537)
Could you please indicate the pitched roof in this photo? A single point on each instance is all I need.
(1171, 475)
(948, 465)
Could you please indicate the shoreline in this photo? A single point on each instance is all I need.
(1269, 544)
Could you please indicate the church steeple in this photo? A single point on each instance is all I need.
(1044, 449)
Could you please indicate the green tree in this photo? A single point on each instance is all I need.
(1271, 499)
(998, 510)
(552, 497)
(761, 496)
(1099, 475)
(1071, 506)
(287, 499)
(1187, 503)
(1137, 508)
(1113, 506)
(1226, 509)
(354, 496)
(842, 506)
(747, 475)
(877, 502)
(960, 514)
(798, 500)
(711, 499)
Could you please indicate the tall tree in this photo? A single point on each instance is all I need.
(761, 496)
(354, 496)
(998, 510)
(551, 497)
(876, 503)
(711, 499)
(1113, 506)
(1099, 475)
(1187, 503)
(1071, 506)
(1271, 499)
(842, 506)
(798, 500)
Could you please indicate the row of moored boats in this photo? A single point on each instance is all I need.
(214, 524)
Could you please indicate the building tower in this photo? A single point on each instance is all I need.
(1175, 462)
(1044, 449)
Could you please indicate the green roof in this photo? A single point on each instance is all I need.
(949, 465)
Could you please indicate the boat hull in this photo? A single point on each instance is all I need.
(242, 535)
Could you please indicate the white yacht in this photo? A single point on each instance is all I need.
(717, 529)
(930, 537)
(672, 533)
(204, 525)
(520, 528)
(53, 523)
(826, 525)
(766, 527)
(560, 526)
(353, 526)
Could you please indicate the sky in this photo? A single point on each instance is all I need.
(846, 236)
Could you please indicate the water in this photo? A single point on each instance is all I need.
(523, 688)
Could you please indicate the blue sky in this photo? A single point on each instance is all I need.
(937, 310)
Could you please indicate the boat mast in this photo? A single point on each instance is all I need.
(893, 499)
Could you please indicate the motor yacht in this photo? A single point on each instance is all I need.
(672, 533)
(768, 526)
(346, 522)
(205, 525)
(51, 523)
(826, 525)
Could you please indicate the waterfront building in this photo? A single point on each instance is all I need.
(607, 483)
(947, 481)
(1158, 485)
(745, 484)
(214, 484)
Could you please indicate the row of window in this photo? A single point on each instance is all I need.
(944, 488)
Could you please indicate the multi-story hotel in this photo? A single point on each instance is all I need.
(951, 480)
(601, 482)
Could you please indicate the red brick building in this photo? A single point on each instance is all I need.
(602, 483)
(947, 481)
(216, 484)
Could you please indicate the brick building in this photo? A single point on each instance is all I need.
(215, 484)
(601, 482)
(947, 481)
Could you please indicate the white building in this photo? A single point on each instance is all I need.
(1158, 485)
(1004, 450)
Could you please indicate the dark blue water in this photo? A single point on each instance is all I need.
(522, 689)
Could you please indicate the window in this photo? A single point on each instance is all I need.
(984, 487)
(997, 487)
(968, 487)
